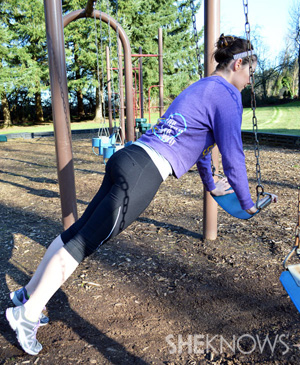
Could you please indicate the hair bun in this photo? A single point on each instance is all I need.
(225, 41)
(227, 46)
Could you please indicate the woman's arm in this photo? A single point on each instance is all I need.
(217, 188)
(204, 169)
(227, 133)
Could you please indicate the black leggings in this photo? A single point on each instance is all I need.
(129, 185)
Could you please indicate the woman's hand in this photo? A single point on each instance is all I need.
(252, 210)
(222, 187)
(274, 199)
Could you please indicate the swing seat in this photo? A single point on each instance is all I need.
(288, 280)
(98, 143)
(108, 151)
(95, 144)
(231, 205)
(112, 139)
(103, 141)
(140, 121)
(144, 127)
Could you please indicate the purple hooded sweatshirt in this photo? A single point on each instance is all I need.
(208, 112)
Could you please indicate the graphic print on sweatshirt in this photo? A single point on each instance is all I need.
(167, 130)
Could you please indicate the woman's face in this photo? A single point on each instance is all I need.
(241, 77)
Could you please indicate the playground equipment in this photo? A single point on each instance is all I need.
(211, 33)
(141, 123)
(114, 135)
(290, 278)
(230, 202)
(60, 105)
(105, 142)
(59, 94)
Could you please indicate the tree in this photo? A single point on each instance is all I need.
(267, 73)
(5, 74)
(23, 52)
(29, 25)
(27, 61)
(287, 81)
(4, 83)
(294, 34)
(81, 55)
(140, 20)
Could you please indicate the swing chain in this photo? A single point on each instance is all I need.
(196, 38)
(110, 66)
(259, 188)
(97, 55)
(101, 96)
(119, 134)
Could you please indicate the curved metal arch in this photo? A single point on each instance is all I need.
(79, 14)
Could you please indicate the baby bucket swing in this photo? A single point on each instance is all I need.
(107, 143)
(230, 202)
(290, 278)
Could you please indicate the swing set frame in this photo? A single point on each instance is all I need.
(55, 24)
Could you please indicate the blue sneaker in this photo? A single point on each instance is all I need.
(20, 297)
(25, 330)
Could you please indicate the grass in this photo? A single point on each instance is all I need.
(282, 119)
(48, 127)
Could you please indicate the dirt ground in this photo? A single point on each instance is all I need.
(158, 293)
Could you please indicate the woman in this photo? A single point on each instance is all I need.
(208, 112)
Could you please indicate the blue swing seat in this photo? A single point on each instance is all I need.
(98, 143)
(231, 205)
(291, 288)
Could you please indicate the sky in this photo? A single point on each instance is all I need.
(269, 18)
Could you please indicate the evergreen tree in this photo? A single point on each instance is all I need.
(5, 81)
(24, 67)
(81, 56)
(28, 24)
(27, 64)
(140, 20)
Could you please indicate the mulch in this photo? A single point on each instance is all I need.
(158, 293)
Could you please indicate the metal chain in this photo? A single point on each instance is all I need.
(111, 68)
(259, 187)
(97, 55)
(106, 132)
(118, 71)
(196, 38)
(101, 96)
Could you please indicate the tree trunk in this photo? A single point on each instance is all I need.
(264, 85)
(38, 108)
(80, 107)
(6, 111)
(98, 111)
